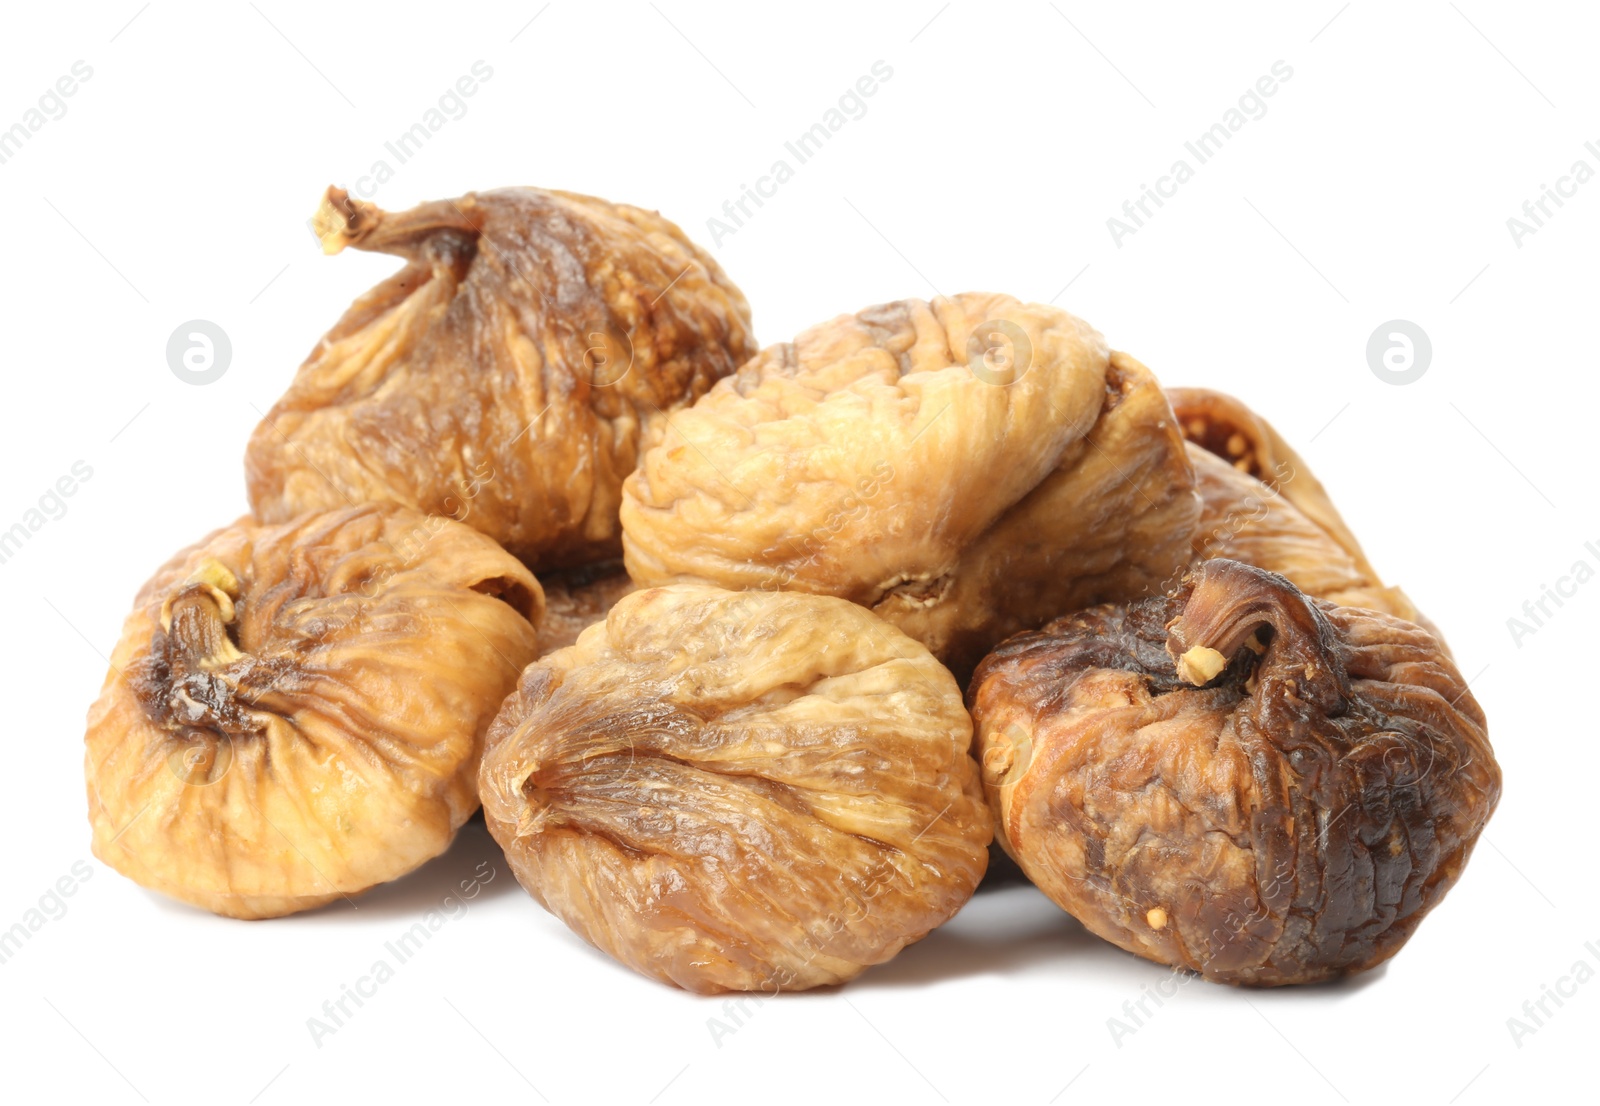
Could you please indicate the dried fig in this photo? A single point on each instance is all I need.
(964, 467)
(1264, 506)
(1112, 521)
(1237, 779)
(739, 790)
(295, 713)
(507, 376)
(577, 598)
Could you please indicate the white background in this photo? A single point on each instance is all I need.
(178, 184)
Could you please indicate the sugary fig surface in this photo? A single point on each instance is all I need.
(870, 459)
(508, 375)
(740, 791)
(1263, 505)
(577, 598)
(295, 713)
(1237, 779)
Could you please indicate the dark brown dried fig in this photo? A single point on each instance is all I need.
(1236, 779)
(296, 713)
(740, 790)
(508, 376)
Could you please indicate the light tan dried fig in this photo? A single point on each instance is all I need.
(964, 467)
(295, 713)
(508, 375)
(740, 790)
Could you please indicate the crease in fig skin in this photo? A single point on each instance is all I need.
(745, 791)
(295, 713)
(878, 458)
(1287, 785)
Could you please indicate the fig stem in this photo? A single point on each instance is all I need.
(341, 221)
(198, 616)
(1228, 604)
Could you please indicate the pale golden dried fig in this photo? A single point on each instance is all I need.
(964, 467)
(295, 713)
(740, 790)
(508, 375)
(1112, 521)
(1237, 779)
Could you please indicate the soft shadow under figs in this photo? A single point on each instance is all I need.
(473, 870)
(1008, 929)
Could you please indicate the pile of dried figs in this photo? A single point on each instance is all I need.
(748, 654)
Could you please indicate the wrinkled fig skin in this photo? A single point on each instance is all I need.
(751, 791)
(1110, 523)
(577, 598)
(1264, 506)
(898, 458)
(295, 713)
(1244, 519)
(508, 376)
(1290, 821)
(1226, 428)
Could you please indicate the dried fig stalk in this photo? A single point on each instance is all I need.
(508, 376)
(963, 467)
(295, 713)
(739, 791)
(1237, 779)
